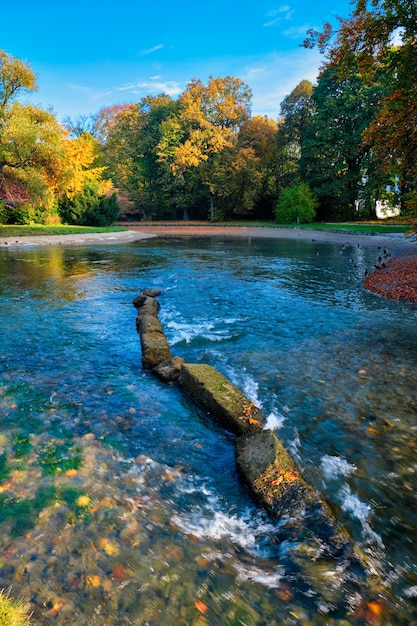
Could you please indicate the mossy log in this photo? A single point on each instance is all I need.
(276, 483)
(220, 398)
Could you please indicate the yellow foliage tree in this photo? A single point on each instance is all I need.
(81, 155)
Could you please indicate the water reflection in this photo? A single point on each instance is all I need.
(119, 502)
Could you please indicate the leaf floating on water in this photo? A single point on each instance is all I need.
(71, 473)
(57, 606)
(120, 573)
(109, 547)
(93, 581)
(83, 501)
(200, 606)
(376, 608)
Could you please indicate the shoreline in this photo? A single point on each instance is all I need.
(74, 239)
(398, 244)
(386, 283)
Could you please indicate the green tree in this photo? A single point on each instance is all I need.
(296, 114)
(296, 204)
(89, 207)
(260, 134)
(380, 39)
(334, 158)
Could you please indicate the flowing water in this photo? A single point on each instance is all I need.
(119, 499)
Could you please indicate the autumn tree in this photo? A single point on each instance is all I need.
(16, 77)
(131, 135)
(380, 39)
(208, 120)
(260, 134)
(32, 155)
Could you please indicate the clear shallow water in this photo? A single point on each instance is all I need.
(119, 501)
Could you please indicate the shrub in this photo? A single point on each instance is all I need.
(296, 204)
(3, 212)
(89, 208)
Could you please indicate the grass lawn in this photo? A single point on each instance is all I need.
(361, 228)
(56, 229)
(369, 227)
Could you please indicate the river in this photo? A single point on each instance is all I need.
(119, 499)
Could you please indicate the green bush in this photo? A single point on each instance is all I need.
(21, 214)
(89, 208)
(3, 212)
(296, 204)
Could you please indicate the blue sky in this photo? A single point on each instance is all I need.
(92, 54)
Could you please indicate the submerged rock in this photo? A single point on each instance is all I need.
(154, 344)
(169, 371)
(146, 293)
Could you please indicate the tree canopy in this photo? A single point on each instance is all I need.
(343, 143)
(39, 163)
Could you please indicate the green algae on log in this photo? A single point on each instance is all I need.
(275, 482)
(221, 399)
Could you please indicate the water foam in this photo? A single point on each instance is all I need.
(183, 331)
(361, 511)
(274, 421)
(335, 466)
(270, 579)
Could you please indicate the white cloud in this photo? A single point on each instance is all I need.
(276, 75)
(296, 31)
(170, 87)
(143, 53)
(278, 15)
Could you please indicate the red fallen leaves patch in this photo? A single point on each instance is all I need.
(398, 280)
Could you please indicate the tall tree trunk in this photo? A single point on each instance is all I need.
(211, 208)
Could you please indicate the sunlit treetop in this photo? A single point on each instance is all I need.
(16, 77)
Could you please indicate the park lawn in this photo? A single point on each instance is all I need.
(370, 227)
(360, 227)
(55, 229)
